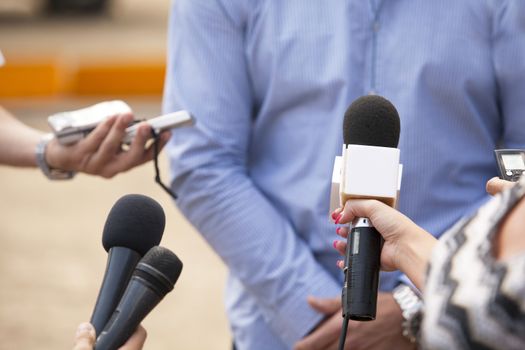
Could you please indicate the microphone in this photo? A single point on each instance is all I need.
(370, 171)
(134, 225)
(154, 277)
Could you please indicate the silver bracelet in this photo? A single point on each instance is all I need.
(50, 173)
(411, 307)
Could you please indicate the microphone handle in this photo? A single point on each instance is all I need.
(119, 268)
(136, 303)
(362, 266)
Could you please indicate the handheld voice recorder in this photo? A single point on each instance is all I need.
(70, 127)
(511, 163)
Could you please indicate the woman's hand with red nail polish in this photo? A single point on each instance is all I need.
(336, 213)
(403, 238)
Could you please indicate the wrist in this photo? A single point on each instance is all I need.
(49, 170)
(52, 155)
(413, 255)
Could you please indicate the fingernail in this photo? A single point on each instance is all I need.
(337, 230)
(335, 244)
(84, 328)
(338, 218)
(334, 215)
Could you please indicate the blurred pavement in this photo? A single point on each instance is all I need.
(132, 28)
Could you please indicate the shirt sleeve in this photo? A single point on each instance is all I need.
(207, 74)
(508, 44)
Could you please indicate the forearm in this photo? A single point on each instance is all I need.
(414, 255)
(259, 246)
(17, 141)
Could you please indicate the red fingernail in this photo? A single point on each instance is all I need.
(337, 230)
(338, 218)
(334, 215)
(335, 244)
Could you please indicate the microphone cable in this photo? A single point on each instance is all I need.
(342, 338)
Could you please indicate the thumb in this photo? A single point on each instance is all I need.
(327, 306)
(496, 185)
(85, 337)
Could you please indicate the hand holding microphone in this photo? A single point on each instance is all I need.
(368, 190)
(405, 243)
(370, 169)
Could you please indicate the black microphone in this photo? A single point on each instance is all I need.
(134, 225)
(373, 122)
(154, 277)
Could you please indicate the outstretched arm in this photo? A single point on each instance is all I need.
(99, 153)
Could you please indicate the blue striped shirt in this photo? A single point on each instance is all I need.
(268, 82)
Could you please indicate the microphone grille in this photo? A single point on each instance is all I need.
(164, 261)
(136, 222)
(371, 121)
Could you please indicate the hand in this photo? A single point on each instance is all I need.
(326, 334)
(383, 333)
(395, 228)
(85, 338)
(407, 246)
(496, 185)
(101, 153)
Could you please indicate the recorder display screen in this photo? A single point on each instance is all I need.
(513, 161)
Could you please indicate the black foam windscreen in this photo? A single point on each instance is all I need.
(136, 222)
(371, 121)
(164, 261)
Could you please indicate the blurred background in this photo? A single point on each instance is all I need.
(64, 55)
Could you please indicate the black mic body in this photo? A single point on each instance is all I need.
(134, 225)
(119, 268)
(362, 267)
(370, 171)
(154, 277)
